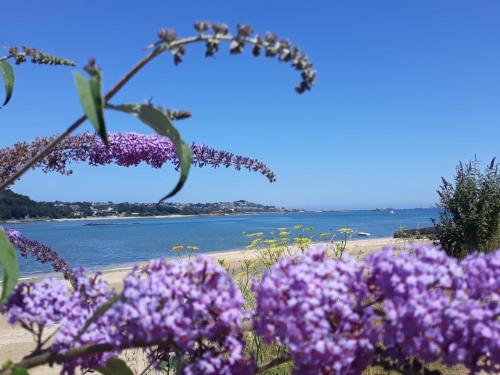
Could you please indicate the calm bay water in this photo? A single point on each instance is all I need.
(133, 240)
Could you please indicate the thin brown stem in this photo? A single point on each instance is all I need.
(273, 363)
(132, 73)
(49, 357)
(372, 302)
(48, 338)
(30, 163)
(110, 94)
(144, 372)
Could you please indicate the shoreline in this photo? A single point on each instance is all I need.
(176, 216)
(354, 243)
(116, 217)
(99, 218)
(363, 245)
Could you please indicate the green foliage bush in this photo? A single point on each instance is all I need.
(470, 216)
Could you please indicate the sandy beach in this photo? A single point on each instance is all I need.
(16, 342)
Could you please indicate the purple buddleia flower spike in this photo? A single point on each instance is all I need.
(333, 315)
(37, 305)
(314, 305)
(89, 294)
(182, 305)
(42, 253)
(438, 309)
(125, 149)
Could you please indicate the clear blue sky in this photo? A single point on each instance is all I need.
(405, 89)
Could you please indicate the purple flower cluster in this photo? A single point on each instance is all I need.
(49, 302)
(334, 315)
(37, 305)
(125, 149)
(436, 308)
(191, 308)
(89, 294)
(42, 253)
(314, 305)
(482, 273)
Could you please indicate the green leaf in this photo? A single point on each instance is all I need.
(98, 313)
(159, 121)
(10, 267)
(90, 92)
(20, 371)
(115, 366)
(8, 80)
(7, 364)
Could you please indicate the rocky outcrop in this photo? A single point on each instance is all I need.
(421, 233)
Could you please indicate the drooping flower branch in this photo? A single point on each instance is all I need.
(212, 34)
(42, 253)
(36, 56)
(125, 149)
(334, 315)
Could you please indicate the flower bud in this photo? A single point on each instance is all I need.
(178, 55)
(237, 45)
(244, 30)
(201, 26)
(167, 35)
(220, 28)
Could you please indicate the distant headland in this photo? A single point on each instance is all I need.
(16, 207)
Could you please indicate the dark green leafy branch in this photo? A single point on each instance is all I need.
(469, 219)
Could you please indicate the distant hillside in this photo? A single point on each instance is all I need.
(16, 206)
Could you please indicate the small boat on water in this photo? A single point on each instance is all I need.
(364, 234)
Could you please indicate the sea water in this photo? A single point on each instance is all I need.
(106, 243)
